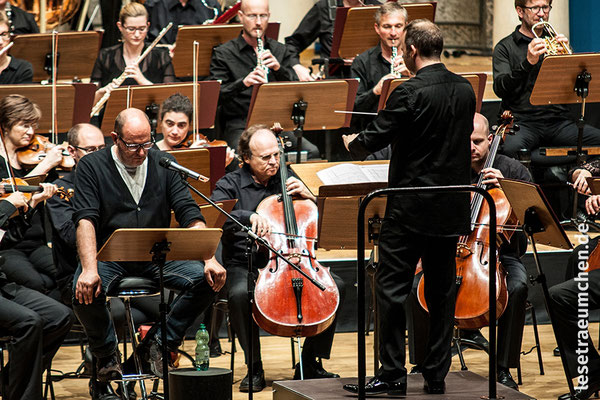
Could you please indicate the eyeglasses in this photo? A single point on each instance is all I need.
(267, 158)
(26, 126)
(536, 9)
(254, 17)
(136, 146)
(90, 149)
(132, 29)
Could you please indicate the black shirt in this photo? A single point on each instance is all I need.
(369, 67)
(231, 62)
(514, 78)
(428, 121)
(102, 196)
(22, 22)
(317, 23)
(110, 64)
(193, 13)
(64, 242)
(241, 185)
(17, 71)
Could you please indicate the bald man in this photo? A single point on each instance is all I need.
(125, 187)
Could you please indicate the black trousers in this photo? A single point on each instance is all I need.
(568, 302)
(555, 132)
(239, 312)
(400, 250)
(34, 269)
(510, 324)
(38, 325)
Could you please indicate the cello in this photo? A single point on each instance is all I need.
(472, 253)
(284, 303)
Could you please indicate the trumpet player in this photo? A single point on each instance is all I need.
(239, 64)
(516, 63)
(379, 63)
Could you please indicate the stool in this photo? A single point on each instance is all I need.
(128, 287)
(187, 383)
(529, 306)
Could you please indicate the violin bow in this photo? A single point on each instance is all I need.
(195, 92)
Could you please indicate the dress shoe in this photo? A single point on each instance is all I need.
(376, 386)
(416, 370)
(556, 352)
(434, 387)
(151, 353)
(214, 348)
(258, 381)
(505, 378)
(109, 368)
(480, 342)
(313, 369)
(102, 391)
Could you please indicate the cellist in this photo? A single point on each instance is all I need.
(510, 324)
(257, 179)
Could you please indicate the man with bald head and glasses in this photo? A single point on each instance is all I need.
(125, 187)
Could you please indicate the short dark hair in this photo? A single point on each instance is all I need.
(389, 8)
(244, 143)
(425, 36)
(73, 134)
(15, 108)
(177, 103)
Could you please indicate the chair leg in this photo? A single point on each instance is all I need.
(48, 387)
(537, 339)
(293, 353)
(519, 376)
(134, 346)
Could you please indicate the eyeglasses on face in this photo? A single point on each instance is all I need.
(266, 158)
(536, 9)
(254, 17)
(90, 149)
(136, 146)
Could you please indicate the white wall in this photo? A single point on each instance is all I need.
(506, 19)
(289, 13)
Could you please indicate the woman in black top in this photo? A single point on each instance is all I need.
(112, 61)
(12, 70)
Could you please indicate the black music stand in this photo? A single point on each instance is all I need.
(37, 49)
(575, 86)
(158, 245)
(542, 227)
(303, 105)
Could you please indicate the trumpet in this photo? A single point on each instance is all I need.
(553, 45)
(118, 81)
(393, 70)
(260, 49)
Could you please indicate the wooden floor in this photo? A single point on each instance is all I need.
(277, 363)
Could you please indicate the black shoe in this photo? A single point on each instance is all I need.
(556, 351)
(215, 349)
(258, 382)
(375, 386)
(102, 391)
(434, 387)
(152, 354)
(416, 370)
(109, 368)
(313, 370)
(505, 378)
(480, 342)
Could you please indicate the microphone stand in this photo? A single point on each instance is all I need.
(250, 238)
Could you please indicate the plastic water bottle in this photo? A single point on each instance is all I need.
(202, 351)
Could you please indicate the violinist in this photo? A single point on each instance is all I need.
(115, 60)
(428, 121)
(235, 64)
(510, 324)
(28, 259)
(12, 70)
(257, 179)
(175, 117)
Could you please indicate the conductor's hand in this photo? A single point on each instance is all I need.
(88, 286)
(254, 77)
(536, 48)
(592, 205)
(580, 183)
(270, 61)
(215, 274)
(348, 139)
(260, 225)
(491, 176)
(295, 186)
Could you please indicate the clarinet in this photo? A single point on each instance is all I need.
(393, 70)
(259, 52)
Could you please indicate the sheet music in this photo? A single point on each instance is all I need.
(352, 173)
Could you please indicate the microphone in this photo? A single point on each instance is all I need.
(173, 166)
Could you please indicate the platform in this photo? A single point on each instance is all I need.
(463, 385)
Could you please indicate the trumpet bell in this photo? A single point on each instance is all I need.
(549, 36)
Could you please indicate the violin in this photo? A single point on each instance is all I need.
(285, 304)
(35, 152)
(199, 141)
(472, 253)
(13, 185)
